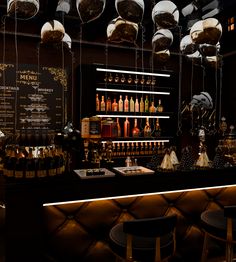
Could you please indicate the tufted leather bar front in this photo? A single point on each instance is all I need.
(79, 231)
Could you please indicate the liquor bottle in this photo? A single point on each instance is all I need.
(30, 165)
(20, 164)
(147, 129)
(141, 108)
(152, 108)
(97, 103)
(103, 105)
(146, 105)
(159, 107)
(136, 105)
(114, 106)
(135, 130)
(126, 127)
(120, 104)
(118, 127)
(157, 131)
(131, 104)
(126, 104)
(108, 104)
(41, 168)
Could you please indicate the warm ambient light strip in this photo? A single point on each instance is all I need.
(136, 195)
(139, 141)
(132, 116)
(133, 91)
(131, 72)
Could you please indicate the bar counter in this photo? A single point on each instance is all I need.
(31, 204)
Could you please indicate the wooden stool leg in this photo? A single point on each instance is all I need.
(229, 252)
(205, 248)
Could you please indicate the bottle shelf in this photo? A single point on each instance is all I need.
(126, 140)
(164, 115)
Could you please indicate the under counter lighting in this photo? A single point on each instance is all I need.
(136, 195)
(138, 141)
(133, 116)
(133, 91)
(131, 72)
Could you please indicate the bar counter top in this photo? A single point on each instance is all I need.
(69, 187)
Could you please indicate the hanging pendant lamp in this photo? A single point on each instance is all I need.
(120, 30)
(206, 31)
(22, 9)
(67, 40)
(161, 56)
(209, 50)
(90, 10)
(52, 32)
(162, 40)
(187, 46)
(64, 6)
(130, 10)
(165, 14)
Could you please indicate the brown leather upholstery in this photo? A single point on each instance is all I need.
(80, 231)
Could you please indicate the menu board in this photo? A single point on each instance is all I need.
(32, 98)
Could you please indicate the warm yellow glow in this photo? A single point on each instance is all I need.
(139, 141)
(133, 116)
(133, 91)
(137, 195)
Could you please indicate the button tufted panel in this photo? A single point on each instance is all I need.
(79, 232)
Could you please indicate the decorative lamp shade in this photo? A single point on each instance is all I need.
(90, 10)
(206, 31)
(187, 46)
(64, 6)
(52, 32)
(130, 10)
(162, 40)
(162, 56)
(22, 9)
(120, 30)
(209, 50)
(165, 14)
(67, 40)
(203, 100)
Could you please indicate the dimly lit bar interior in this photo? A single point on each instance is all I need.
(117, 130)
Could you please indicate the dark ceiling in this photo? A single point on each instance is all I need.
(95, 31)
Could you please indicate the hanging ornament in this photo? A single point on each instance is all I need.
(187, 46)
(130, 10)
(120, 30)
(67, 40)
(203, 100)
(165, 14)
(64, 6)
(162, 40)
(52, 32)
(206, 31)
(22, 9)
(90, 10)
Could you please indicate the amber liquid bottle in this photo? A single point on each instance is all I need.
(157, 131)
(114, 106)
(147, 129)
(146, 105)
(141, 107)
(160, 106)
(126, 104)
(97, 103)
(135, 130)
(136, 105)
(118, 127)
(126, 128)
(131, 104)
(108, 104)
(103, 105)
(120, 104)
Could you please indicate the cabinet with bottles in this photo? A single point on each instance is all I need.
(136, 109)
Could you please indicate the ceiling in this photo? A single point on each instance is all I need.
(95, 31)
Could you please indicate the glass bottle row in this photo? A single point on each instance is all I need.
(128, 104)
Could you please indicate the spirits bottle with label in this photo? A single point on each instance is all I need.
(136, 105)
(152, 108)
(118, 127)
(135, 130)
(141, 108)
(131, 104)
(103, 105)
(147, 129)
(97, 103)
(114, 106)
(157, 131)
(108, 104)
(120, 104)
(160, 106)
(126, 127)
(146, 104)
(126, 104)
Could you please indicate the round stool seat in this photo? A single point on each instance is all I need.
(215, 223)
(143, 247)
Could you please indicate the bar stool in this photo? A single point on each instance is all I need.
(221, 225)
(149, 239)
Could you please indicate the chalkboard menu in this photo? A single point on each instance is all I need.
(32, 98)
